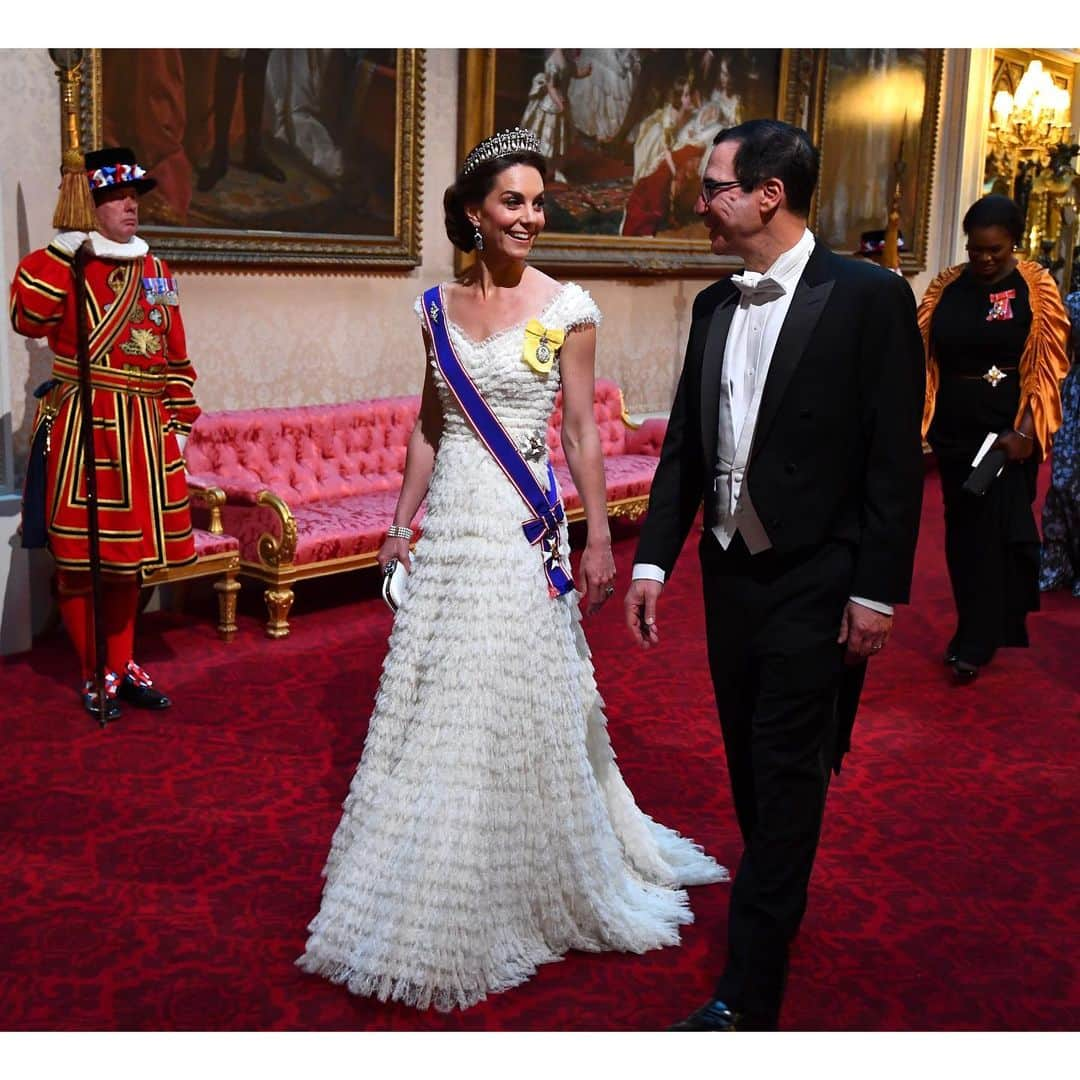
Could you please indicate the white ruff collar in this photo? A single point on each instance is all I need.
(105, 248)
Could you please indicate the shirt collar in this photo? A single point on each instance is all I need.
(789, 265)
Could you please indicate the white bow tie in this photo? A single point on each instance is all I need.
(756, 287)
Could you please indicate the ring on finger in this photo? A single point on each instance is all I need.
(610, 590)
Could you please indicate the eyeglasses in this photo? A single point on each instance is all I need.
(711, 188)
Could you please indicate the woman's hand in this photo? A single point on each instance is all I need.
(1017, 446)
(395, 547)
(597, 574)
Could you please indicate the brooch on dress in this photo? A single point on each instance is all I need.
(1000, 308)
(541, 346)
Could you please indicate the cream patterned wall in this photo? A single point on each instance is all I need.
(29, 174)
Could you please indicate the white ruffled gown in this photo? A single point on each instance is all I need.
(487, 828)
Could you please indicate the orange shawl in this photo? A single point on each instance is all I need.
(1043, 363)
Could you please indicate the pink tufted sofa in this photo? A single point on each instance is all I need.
(309, 490)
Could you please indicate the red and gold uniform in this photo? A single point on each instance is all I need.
(142, 398)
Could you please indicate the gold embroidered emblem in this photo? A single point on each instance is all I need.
(994, 375)
(116, 280)
(142, 343)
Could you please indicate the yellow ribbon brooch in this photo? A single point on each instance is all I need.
(541, 346)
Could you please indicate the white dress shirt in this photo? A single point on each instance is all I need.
(752, 336)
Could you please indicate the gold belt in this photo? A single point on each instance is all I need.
(130, 379)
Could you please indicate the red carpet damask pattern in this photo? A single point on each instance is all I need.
(160, 874)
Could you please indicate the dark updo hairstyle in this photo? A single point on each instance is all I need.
(471, 189)
(993, 210)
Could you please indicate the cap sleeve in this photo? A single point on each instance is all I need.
(577, 308)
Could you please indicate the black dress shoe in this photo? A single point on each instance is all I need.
(712, 1016)
(965, 672)
(142, 697)
(950, 658)
(112, 709)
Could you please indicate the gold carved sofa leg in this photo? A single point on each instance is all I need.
(278, 603)
(227, 588)
(278, 555)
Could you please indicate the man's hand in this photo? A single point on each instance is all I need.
(864, 631)
(640, 607)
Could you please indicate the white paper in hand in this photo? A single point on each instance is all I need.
(991, 438)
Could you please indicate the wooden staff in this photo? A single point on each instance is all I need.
(93, 533)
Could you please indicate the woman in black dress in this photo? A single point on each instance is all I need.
(995, 331)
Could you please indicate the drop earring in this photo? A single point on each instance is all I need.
(478, 239)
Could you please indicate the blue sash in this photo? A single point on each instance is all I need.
(543, 527)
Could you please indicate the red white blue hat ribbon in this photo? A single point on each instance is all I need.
(110, 175)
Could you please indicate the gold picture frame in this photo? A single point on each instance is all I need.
(866, 123)
(328, 177)
(591, 242)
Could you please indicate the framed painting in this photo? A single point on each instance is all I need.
(283, 157)
(878, 125)
(627, 133)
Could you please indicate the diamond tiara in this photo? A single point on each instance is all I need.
(502, 142)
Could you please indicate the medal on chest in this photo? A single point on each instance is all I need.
(542, 345)
(161, 290)
(1000, 308)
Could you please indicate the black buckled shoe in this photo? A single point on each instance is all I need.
(712, 1016)
(142, 697)
(90, 699)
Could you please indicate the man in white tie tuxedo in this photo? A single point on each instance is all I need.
(797, 423)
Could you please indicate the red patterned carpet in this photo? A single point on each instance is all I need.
(160, 874)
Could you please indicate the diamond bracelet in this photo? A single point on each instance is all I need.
(401, 532)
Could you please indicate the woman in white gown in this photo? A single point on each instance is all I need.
(487, 828)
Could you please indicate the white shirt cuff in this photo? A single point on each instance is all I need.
(873, 605)
(647, 571)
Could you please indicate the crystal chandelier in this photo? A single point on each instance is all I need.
(1033, 119)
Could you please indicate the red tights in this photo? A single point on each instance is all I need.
(119, 604)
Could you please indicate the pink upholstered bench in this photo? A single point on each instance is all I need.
(310, 490)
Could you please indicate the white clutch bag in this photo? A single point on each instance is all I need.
(393, 584)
